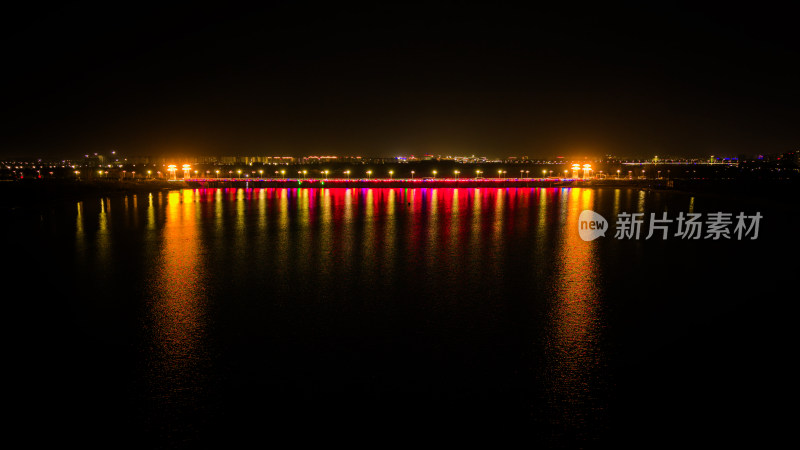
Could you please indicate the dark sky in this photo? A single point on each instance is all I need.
(300, 79)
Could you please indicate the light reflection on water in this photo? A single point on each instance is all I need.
(433, 263)
(271, 314)
(176, 354)
(574, 357)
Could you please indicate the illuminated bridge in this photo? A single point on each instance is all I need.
(409, 182)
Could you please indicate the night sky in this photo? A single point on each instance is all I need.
(300, 79)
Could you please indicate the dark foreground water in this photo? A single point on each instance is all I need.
(391, 316)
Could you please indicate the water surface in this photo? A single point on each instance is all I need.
(384, 315)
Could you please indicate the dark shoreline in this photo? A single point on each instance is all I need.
(33, 193)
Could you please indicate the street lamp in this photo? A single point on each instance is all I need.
(347, 174)
(457, 172)
(369, 174)
(434, 174)
(499, 172)
(412, 174)
(390, 174)
(477, 174)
